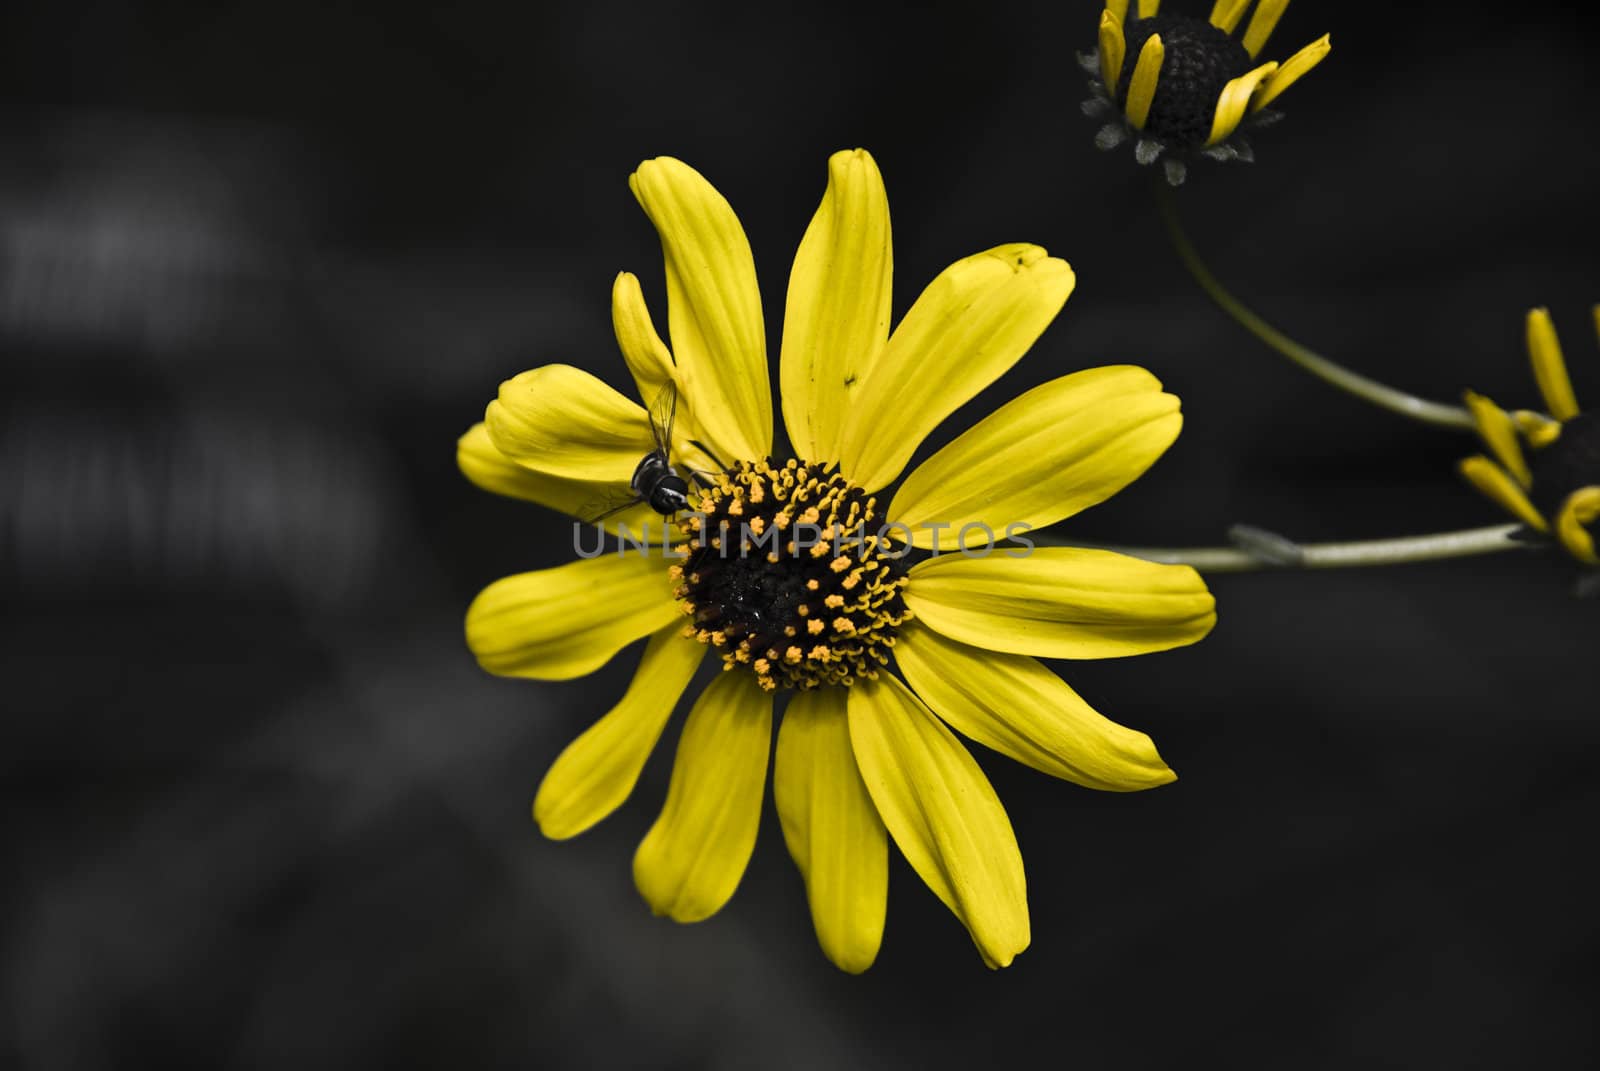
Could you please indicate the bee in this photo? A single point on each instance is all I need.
(655, 479)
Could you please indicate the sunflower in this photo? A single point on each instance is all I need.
(1552, 486)
(1178, 86)
(864, 754)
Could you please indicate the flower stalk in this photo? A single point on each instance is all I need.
(1369, 390)
(1255, 548)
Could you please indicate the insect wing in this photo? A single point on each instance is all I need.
(608, 505)
(663, 411)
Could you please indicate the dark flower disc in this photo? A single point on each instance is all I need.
(1199, 61)
(785, 571)
(1569, 464)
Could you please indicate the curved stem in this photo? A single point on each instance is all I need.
(1379, 394)
(1258, 549)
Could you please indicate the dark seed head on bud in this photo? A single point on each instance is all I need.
(1568, 464)
(1199, 61)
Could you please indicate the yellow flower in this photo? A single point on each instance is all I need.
(1554, 485)
(861, 756)
(1178, 86)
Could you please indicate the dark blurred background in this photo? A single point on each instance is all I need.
(260, 266)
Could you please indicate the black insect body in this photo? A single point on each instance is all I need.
(655, 480)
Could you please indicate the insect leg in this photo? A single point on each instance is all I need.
(704, 449)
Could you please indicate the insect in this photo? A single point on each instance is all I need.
(655, 479)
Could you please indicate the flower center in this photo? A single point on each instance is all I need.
(784, 571)
(1569, 463)
(1199, 61)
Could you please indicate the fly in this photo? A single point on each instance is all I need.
(655, 479)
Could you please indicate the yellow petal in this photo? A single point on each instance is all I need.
(560, 623)
(1262, 23)
(1499, 433)
(1016, 706)
(1500, 488)
(1062, 602)
(691, 861)
(653, 368)
(1578, 512)
(598, 770)
(1119, 8)
(562, 421)
(493, 471)
(1225, 14)
(1544, 351)
(1142, 86)
(713, 307)
(1058, 449)
(646, 355)
(943, 814)
(831, 827)
(1113, 50)
(836, 320)
(1234, 100)
(1291, 72)
(969, 326)
(1539, 430)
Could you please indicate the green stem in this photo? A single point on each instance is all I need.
(1257, 549)
(1379, 394)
